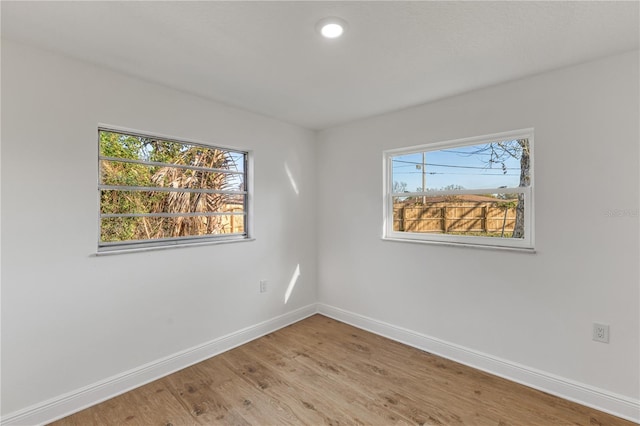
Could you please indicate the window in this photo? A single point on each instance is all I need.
(475, 191)
(158, 192)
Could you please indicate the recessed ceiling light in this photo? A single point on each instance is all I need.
(331, 27)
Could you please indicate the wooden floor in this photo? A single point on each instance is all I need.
(320, 371)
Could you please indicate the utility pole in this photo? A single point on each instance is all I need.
(424, 178)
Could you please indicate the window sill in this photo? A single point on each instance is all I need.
(467, 245)
(168, 246)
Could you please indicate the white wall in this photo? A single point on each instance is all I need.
(70, 319)
(530, 309)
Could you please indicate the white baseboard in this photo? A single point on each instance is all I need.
(618, 405)
(80, 399)
(64, 405)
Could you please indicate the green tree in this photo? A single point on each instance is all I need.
(164, 172)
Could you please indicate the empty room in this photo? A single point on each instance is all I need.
(309, 212)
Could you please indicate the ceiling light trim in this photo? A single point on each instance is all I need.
(331, 27)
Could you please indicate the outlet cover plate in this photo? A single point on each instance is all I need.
(600, 333)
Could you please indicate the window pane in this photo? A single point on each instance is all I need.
(115, 229)
(175, 172)
(132, 174)
(136, 202)
(490, 215)
(501, 164)
(145, 148)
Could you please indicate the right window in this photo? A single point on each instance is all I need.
(473, 191)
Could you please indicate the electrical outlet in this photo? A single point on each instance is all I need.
(263, 286)
(601, 333)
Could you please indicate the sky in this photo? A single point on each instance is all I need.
(461, 166)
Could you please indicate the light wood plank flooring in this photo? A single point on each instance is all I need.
(321, 371)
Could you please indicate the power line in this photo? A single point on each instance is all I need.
(464, 152)
(447, 165)
(459, 174)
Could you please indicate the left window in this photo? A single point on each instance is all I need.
(161, 192)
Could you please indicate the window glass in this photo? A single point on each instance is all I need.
(155, 191)
(490, 165)
(472, 191)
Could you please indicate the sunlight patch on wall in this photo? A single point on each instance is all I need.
(292, 283)
(291, 179)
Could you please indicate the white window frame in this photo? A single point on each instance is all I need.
(163, 243)
(526, 243)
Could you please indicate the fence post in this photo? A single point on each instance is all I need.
(404, 218)
(484, 219)
(445, 225)
(504, 221)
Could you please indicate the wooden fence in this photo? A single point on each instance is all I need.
(232, 223)
(454, 217)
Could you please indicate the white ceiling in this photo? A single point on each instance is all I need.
(266, 57)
